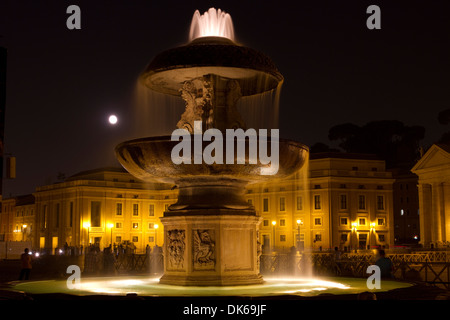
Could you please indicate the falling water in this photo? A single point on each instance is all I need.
(156, 114)
(261, 111)
(212, 23)
(303, 185)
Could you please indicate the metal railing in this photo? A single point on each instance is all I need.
(432, 267)
(110, 263)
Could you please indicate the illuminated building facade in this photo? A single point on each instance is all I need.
(100, 207)
(346, 202)
(433, 170)
(17, 220)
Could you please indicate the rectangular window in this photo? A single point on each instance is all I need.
(381, 238)
(344, 221)
(151, 239)
(282, 204)
(317, 204)
(266, 223)
(282, 222)
(343, 202)
(118, 225)
(344, 237)
(118, 209)
(151, 210)
(299, 203)
(380, 202)
(95, 213)
(282, 237)
(318, 221)
(266, 205)
(135, 239)
(135, 225)
(380, 221)
(362, 202)
(318, 237)
(118, 239)
(362, 221)
(135, 209)
(151, 225)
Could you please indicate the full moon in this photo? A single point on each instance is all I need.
(112, 119)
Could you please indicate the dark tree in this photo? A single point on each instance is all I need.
(391, 140)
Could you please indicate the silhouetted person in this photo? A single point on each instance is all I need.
(25, 258)
(385, 264)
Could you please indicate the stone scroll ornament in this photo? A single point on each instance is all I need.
(176, 246)
(203, 249)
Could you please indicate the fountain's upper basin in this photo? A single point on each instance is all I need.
(149, 159)
(255, 72)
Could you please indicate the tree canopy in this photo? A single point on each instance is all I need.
(391, 140)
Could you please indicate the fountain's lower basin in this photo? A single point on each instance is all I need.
(147, 286)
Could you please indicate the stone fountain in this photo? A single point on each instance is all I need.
(211, 233)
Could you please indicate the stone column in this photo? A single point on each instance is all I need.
(425, 214)
(436, 214)
(446, 210)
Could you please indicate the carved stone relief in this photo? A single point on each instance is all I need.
(175, 247)
(203, 249)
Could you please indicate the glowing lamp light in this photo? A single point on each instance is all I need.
(110, 225)
(300, 222)
(86, 225)
(156, 226)
(274, 222)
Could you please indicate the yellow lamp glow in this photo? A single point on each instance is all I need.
(86, 225)
(156, 226)
(110, 225)
(274, 222)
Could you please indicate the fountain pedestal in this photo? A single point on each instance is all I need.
(214, 247)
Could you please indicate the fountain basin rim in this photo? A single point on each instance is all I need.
(149, 159)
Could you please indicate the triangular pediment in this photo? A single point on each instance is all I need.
(437, 156)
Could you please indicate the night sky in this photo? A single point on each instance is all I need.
(63, 84)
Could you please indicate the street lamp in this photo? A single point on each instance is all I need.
(372, 228)
(156, 234)
(354, 228)
(299, 223)
(274, 223)
(111, 226)
(24, 226)
(87, 226)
